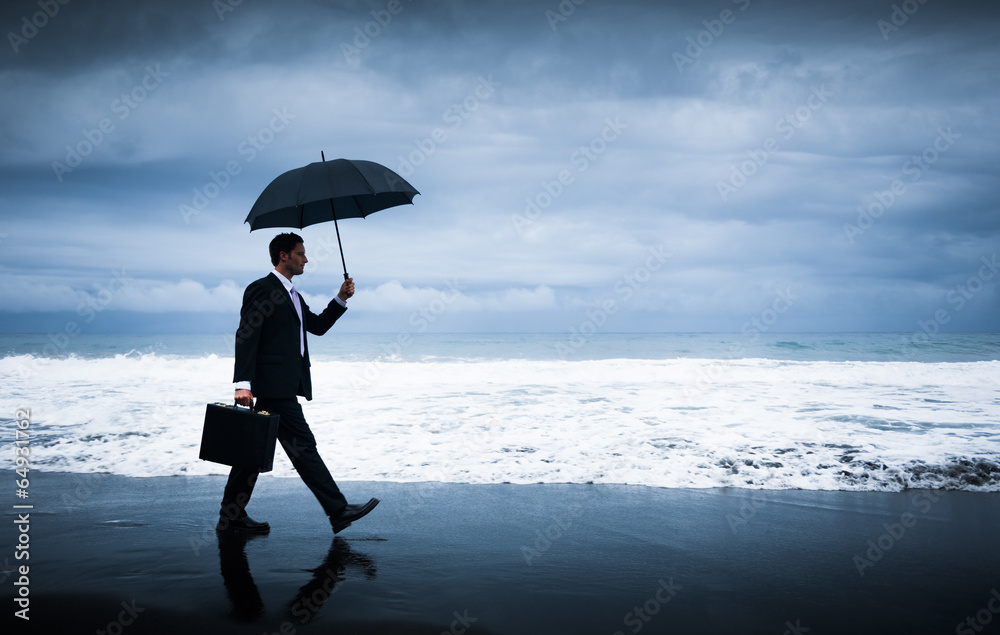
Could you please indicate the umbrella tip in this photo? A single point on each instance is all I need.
(322, 156)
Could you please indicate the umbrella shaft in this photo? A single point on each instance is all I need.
(334, 212)
(337, 227)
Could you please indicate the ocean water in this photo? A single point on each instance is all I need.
(870, 411)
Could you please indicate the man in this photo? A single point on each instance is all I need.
(272, 365)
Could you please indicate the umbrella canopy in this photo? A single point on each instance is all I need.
(329, 190)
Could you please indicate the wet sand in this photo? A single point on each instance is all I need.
(140, 555)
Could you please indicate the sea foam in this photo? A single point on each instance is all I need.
(752, 423)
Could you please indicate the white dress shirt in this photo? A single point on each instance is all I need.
(285, 282)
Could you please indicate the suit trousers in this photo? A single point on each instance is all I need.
(300, 445)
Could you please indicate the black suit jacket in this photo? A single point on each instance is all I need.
(267, 342)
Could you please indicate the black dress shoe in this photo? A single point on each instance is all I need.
(349, 514)
(243, 524)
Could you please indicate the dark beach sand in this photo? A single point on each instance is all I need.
(140, 555)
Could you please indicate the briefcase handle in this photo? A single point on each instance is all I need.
(251, 408)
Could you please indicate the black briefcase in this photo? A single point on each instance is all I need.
(239, 437)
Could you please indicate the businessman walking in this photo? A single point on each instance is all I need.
(272, 365)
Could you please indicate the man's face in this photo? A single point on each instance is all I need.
(297, 260)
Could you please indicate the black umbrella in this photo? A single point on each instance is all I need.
(329, 190)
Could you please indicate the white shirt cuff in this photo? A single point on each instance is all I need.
(339, 301)
(241, 385)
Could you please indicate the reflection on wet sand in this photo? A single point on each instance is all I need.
(244, 597)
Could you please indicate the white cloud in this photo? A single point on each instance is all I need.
(21, 294)
(186, 295)
(119, 292)
(537, 299)
(393, 296)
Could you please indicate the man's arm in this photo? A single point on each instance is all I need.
(320, 324)
(248, 341)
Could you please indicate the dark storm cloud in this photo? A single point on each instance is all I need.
(845, 149)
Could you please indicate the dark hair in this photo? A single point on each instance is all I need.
(283, 243)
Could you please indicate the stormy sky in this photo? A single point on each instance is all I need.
(644, 166)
